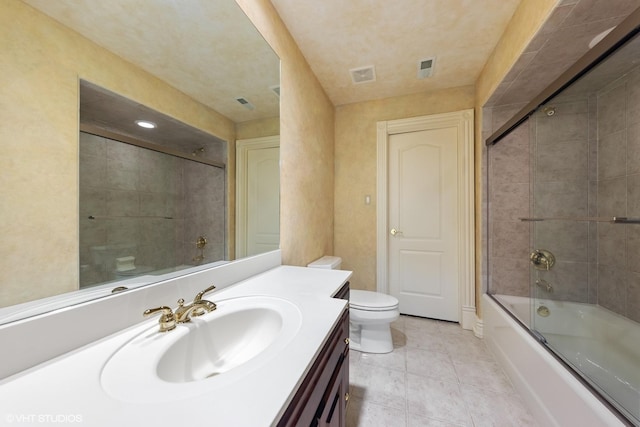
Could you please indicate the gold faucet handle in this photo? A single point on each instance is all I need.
(201, 293)
(167, 319)
(203, 307)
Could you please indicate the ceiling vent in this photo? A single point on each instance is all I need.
(425, 67)
(275, 89)
(363, 74)
(245, 103)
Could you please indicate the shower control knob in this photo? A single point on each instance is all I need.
(542, 259)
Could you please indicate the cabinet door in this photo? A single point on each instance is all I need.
(320, 400)
(345, 381)
(331, 412)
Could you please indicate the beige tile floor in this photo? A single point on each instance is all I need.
(438, 375)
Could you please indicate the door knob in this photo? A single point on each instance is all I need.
(395, 232)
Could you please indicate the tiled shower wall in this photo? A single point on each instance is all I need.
(560, 147)
(132, 192)
(618, 186)
(551, 147)
(582, 160)
(508, 200)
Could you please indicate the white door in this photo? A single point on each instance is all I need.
(422, 222)
(263, 200)
(257, 195)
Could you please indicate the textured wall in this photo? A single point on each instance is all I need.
(526, 21)
(41, 63)
(306, 145)
(561, 168)
(356, 153)
(529, 175)
(584, 161)
(618, 187)
(258, 128)
(508, 199)
(562, 35)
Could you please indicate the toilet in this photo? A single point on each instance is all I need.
(370, 314)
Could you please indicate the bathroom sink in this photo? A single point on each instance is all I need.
(209, 352)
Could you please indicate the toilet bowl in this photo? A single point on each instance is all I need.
(370, 315)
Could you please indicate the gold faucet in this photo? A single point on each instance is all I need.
(184, 313)
(198, 307)
(167, 318)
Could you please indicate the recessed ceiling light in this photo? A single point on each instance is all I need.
(146, 124)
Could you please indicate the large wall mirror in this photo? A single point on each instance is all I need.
(93, 203)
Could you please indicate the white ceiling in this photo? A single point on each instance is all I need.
(189, 43)
(337, 35)
(207, 49)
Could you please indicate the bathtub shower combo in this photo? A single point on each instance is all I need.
(146, 212)
(563, 233)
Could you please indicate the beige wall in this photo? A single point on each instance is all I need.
(526, 21)
(306, 145)
(258, 128)
(40, 64)
(355, 133)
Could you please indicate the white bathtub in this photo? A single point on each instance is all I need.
(601, 343)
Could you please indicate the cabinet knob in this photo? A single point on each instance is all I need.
(346, 341)
(346, 397)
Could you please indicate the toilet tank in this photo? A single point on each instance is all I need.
(327, 262)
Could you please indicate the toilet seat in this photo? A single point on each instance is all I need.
(372, 301)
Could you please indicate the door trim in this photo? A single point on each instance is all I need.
(463, 120)
(243, 146)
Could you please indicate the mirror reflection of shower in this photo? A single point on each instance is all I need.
(146, 194)
(137, 210)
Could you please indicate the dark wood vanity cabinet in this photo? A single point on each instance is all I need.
(322, 398)
(343, 292)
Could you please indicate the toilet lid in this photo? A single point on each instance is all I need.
(367, 300)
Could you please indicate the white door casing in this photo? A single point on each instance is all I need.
(459, 123)
(257, 195)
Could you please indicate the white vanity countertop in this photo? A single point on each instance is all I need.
(68, 389)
